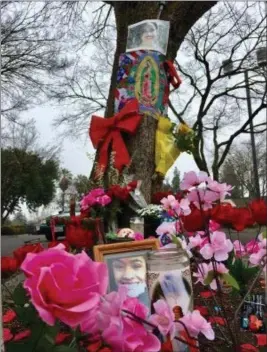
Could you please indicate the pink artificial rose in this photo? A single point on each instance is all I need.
(239, 249)
(163, 318)
(196, 324)
(219, 247)
(221, 189)
(191, 179)
(120, 332)
(201, 198)
(169, 203)
(64, 286)
(103, 200)
(138, 236)
(87, 202)
(259, 258)
(97, 192)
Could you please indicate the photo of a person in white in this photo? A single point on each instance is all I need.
(129, 271)
(148, 35)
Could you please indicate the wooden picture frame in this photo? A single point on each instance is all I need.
(126, 263)
(122, 247)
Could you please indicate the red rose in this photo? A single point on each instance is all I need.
(195, 221)
(79, 237)
(202, 310)
(9, 265)
(258, 208)
(21, 252)
(247, 347)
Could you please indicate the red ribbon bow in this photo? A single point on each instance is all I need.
(174, 79)
(106, 132)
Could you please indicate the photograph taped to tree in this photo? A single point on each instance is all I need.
(127, 266)
(148, 35)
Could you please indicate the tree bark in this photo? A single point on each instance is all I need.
(182, 16)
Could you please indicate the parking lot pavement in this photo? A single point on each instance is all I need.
(10, 243)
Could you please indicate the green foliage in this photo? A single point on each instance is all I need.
(230, 280)
(82, 184)
(19, 295)
(241, 273)
(26, 177)
(209, 278)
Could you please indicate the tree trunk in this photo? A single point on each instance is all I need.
(182, 16)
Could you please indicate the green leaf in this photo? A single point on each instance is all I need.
(176, 241)
(264, 234)
(27, 315)
(209, 278)
(20, 295)
(230, 280)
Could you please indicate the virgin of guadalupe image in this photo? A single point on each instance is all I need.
(177, 292)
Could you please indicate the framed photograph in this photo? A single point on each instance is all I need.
(148, 35)
(126, 263)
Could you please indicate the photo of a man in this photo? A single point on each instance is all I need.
(129, 270)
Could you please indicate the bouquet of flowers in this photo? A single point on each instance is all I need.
(184, 137)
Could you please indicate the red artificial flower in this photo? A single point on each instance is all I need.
(132, 186)
(254, 323)
(217, 320)
(247, 347)
(241, 218)
(119, 192)
(7, 335)
(258, 208)
(202, 310)
(261, 339)
(9, 265)
(22, 335)
(195, 221)
(79, 237)
(222, 214)
(9, 316)
(156, 198)
(61, 337)
(55, 243)
(21, 252)
(207, 294)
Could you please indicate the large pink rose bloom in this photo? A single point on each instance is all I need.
(64, 286)
(120, 332)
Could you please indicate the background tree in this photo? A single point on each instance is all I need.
(211, 101)
(175, 183)
(238, 169)
(31, 46)
(26, 177)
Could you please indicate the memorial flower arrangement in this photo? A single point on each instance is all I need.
(63, 305)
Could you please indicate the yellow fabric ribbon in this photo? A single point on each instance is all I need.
(166, 151)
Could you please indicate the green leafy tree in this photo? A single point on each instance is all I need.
(26, 177)
(175, 183)
(82, 184)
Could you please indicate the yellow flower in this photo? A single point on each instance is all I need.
(184, 129)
